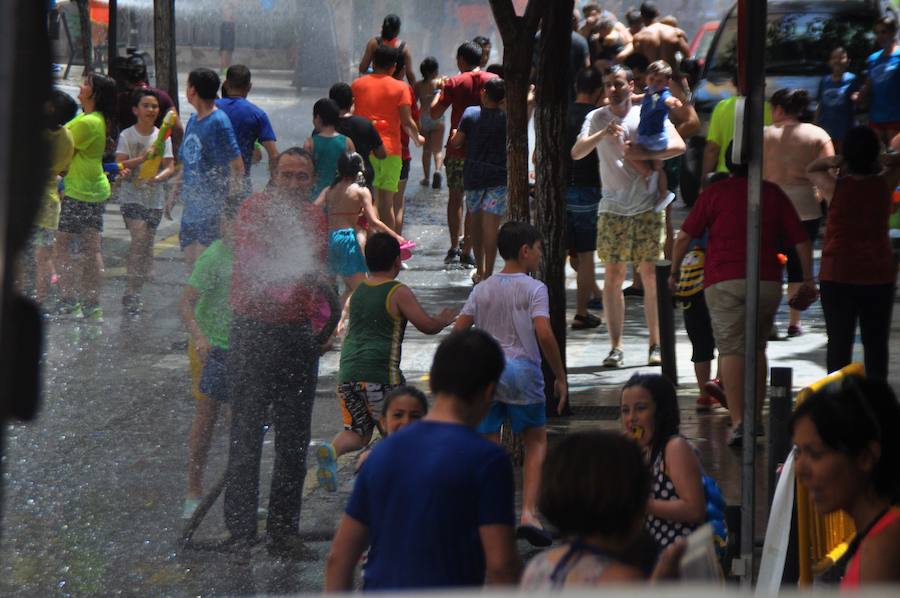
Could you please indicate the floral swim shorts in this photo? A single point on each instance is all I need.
(630, 239)
(491, 200)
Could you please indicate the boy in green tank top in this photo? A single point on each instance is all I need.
(379, 309)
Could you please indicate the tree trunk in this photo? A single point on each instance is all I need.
(550, 206)
(87, 48)
(165, 56)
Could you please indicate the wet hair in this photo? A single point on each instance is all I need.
(342, 95)
(404, 390)
(637, 62)
(888, 21)
(382, 251)
(851, 413)
(794, 102)
(390, 27)
(649, 11)
(633, 17)
(615, 69)
(470, 53)
(589, 9)
(350, 165)
(237, 77)
(61, 108)
(595, 483)
(103, 90)
(205, 81)
(495, 69)
(513, 235)
(495, 89)
(862, 150)
(297, 152)
(328, 112)
(667, 419)
(605, 22)
(140, 94)
(588, 80)
(429, 67)
(735, 169)
(384, 57)
(465, 364)
(660, 67)
(481, 41)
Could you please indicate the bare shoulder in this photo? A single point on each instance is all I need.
(678, 448)
(880, 554)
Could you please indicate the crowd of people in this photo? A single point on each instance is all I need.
(433, 502)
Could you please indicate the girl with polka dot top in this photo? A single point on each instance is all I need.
(650, 416)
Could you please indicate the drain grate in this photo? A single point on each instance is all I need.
(596, 412)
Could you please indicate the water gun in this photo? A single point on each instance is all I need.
(113, 169)
(150, 167)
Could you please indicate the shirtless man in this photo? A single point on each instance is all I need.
(658, 41)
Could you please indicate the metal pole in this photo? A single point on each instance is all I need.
(666, 316)
(112, 37)
(753, 16)
(780, 407)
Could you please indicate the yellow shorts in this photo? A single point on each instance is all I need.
(630, 239)
(196, 369)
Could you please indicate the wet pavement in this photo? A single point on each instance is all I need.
(93, 489)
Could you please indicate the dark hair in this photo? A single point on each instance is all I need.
(205, 81)
(350, 165)
(481, 41)
(470, 53)
(633, 17)
(404, 390)
(649, 10)
(382, 250)
(103, 90)
(862, 150)
(384, 57)
(595, 483)
(297, 152)
(888, 21)
(237, 77)
(465, 363)
(495, 89)
(637, 62)
(794, 102)
(139, 94)
(513, 235)
(328, 111)
(667, 418)
(429, 67)
(588, 80)
(615, 69)
(61, 108)
(735, 169)
(390, 27)
(496, 69)
(851, 413)
(590, 8)
(342, 95)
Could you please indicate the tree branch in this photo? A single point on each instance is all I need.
(534, 11)
(505, 18)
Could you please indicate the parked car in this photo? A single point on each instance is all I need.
(800, 36)
(702, 41)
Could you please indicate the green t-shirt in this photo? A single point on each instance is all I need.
(212, 278)
(86, 180)
(721, 127)
(61, 148)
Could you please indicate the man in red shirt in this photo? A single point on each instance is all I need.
(459, 92)
(721, 210)
(279, 245)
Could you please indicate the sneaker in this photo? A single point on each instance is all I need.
(633, 291)
(716, 391)
(436, 181)
(467, 260)
(327, 471)
(736, 436)
(190, 505)
(94, 314)
(595, 303)
(795, 331)
(663, 203)
(452, 256)
(587, 321)
(424, 182)
(615, 359)
(132, 304)
(705, 403)
(654, 355)
(70, 308)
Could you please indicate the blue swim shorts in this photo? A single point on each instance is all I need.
(520, 416)
(344, 255)
(203, 232)
(491, 200)
(214, 376)
(654, 143)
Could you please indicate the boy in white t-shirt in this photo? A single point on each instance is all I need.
(141, 200)
(514, 308)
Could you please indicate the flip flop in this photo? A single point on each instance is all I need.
(327, 472)
(534, 535)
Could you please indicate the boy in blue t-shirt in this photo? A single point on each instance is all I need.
(434, 503)
(838, 93)
(652, 136)
(482, 131)
(882, 88)
(212, 168)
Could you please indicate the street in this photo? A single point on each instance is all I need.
(93, 489)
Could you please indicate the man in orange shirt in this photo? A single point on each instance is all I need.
(388, 104)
